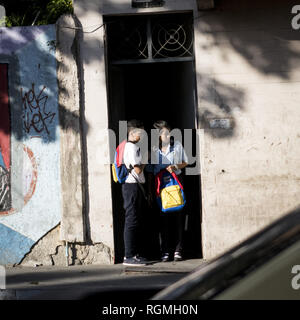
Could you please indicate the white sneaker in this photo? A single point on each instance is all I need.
(177, 256)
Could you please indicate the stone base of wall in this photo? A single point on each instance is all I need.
(50, 251)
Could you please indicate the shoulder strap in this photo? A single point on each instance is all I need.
(177, 180)
(171, 147)
(140, 185)
(160, 156)
(158, 178)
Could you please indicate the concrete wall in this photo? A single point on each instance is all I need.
(248, 72)
(43, 165)
(73, 228)
(247, 69)
(30, 140)
(94, 105)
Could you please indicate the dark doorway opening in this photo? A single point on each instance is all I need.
(154, 91)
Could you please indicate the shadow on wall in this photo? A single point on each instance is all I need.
(260, 33)
(234, 23)
(29, 53)
(256, 31)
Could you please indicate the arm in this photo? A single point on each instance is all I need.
(173, 168)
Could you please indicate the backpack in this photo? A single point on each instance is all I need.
(118, 168)
(169, 192)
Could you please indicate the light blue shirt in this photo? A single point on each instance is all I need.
(172, 156)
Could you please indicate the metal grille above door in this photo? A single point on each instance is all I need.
(149, 38)
(172, 39)
(127, 39)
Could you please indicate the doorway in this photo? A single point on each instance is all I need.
(149, 90)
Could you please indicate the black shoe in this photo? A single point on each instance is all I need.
(177, 256)
(165, 257)
(135, 261)
(141, 259)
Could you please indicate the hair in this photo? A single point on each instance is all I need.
(160, 124)
(134, 124)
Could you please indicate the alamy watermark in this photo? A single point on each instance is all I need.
(2, 278)
(149, 144)
(295, 283)
(2, 16)
(296, 18)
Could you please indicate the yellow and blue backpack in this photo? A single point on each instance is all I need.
(169, 192)
(118, 168)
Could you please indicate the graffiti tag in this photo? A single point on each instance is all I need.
(35, 115)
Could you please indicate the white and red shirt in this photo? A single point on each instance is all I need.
(132, 156)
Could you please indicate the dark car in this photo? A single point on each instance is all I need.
(265, 266)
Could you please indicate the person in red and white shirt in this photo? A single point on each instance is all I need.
(133, 196)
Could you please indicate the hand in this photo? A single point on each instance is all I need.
(171, 169)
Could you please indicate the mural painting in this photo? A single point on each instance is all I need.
(29, 140)
(5, 195)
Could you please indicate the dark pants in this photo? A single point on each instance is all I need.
(133, 203)
(172, 229)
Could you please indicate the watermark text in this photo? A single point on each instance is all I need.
(2, 278)
(296, 18)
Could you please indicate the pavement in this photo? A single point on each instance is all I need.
(93, 281)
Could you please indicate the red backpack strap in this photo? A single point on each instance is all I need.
(120, 153)
(158, 178)
(176, 178)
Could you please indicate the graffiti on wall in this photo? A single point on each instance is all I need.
(5, 198)
(5, 152)
(5, 194)
(30, 166)
(35, 114)
(31, 176)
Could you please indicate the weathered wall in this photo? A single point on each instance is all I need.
(248, 72)
(29, 134)
(94, 107)
(43, 167)
(49, 251)
(72, 220)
